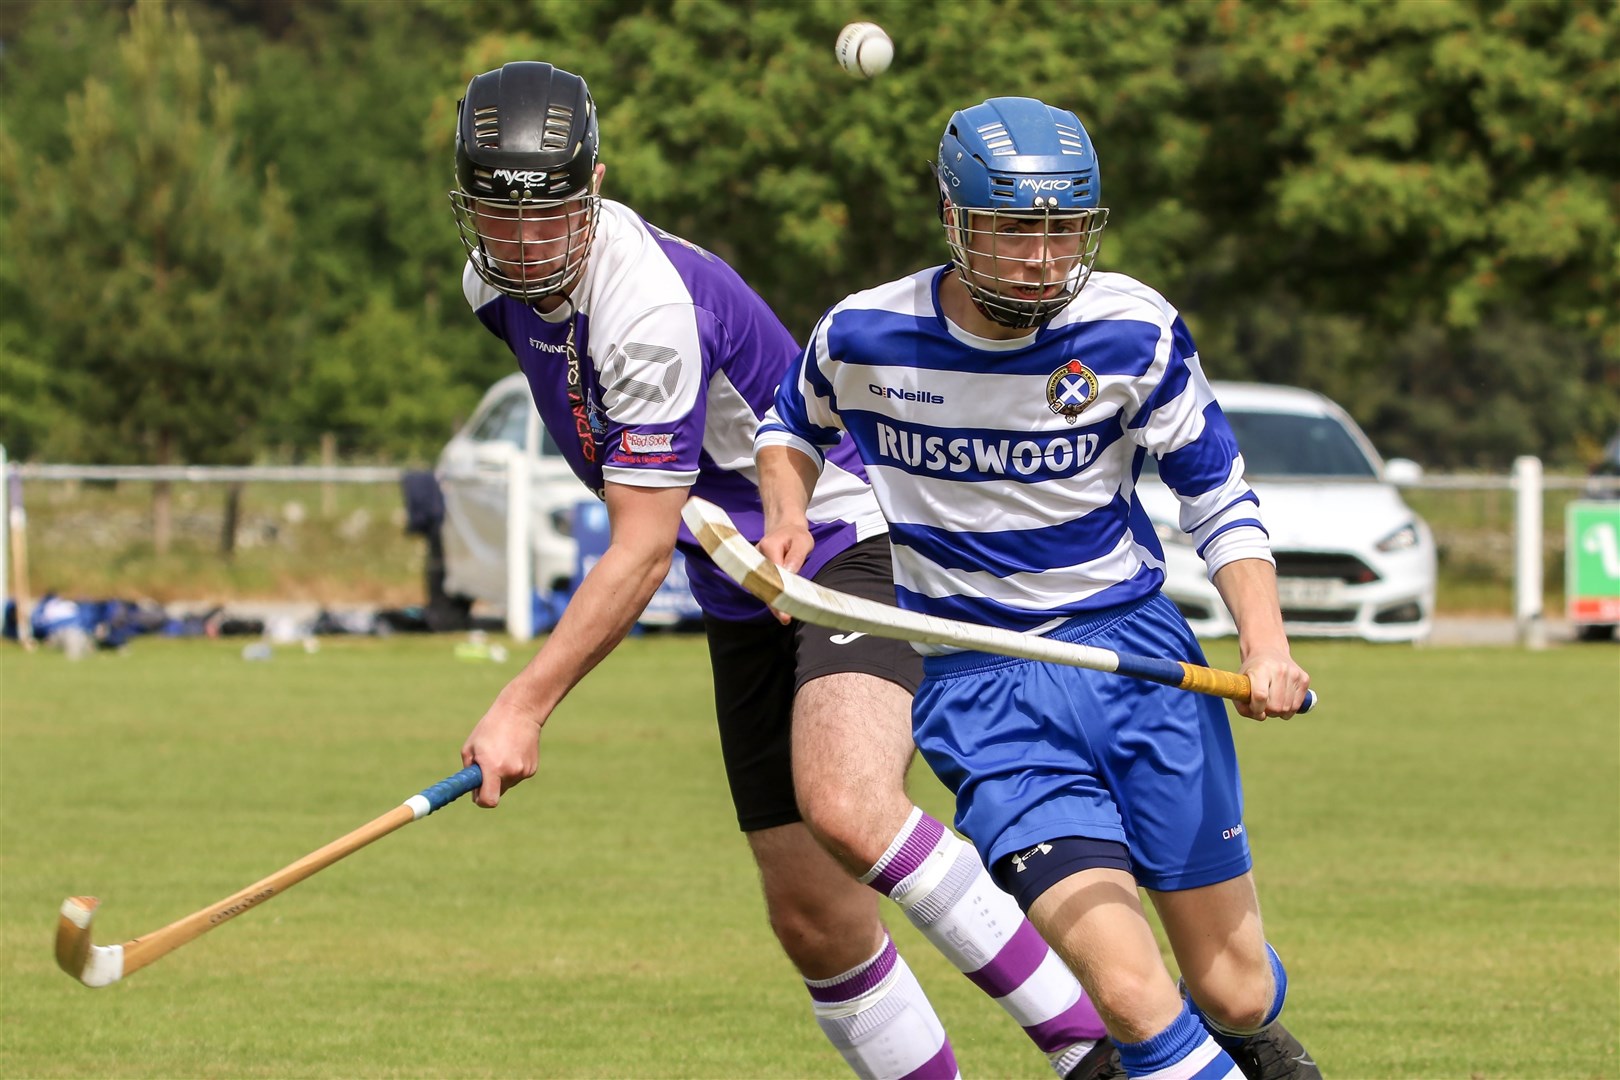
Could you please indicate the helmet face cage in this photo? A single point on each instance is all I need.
(528, 249)
(525, 199)
(1022, 268)
(1020, 201)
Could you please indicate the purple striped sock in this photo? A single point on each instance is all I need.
(896, 866)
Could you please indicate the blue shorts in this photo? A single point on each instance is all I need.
(1035, 751)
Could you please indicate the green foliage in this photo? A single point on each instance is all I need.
(156, 266)
(1412, 206)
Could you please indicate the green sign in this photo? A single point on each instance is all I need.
(1592, 562)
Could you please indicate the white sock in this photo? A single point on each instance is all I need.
(878, 1017)
(945, 891)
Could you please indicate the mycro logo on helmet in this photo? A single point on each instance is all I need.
(924, 397)
(526, 177)
(1045, 185)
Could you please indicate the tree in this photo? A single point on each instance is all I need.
(157, 267)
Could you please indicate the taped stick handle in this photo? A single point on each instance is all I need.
(1201, 680)
(451, 788)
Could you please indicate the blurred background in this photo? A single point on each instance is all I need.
(225, 238)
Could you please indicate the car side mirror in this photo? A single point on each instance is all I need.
(1402, 471)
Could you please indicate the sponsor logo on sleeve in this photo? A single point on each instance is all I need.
(632, 442)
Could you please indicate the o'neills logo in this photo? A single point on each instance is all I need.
(1071, 390)
(632, 443)
(926, 397)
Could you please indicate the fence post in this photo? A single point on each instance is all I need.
(1528, 623)
(519, 554)
(328, 461)
(5, 545)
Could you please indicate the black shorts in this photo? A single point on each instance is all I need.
(759, 666)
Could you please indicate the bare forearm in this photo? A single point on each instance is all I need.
(786, 480)
(600, 614)
(1249, 589)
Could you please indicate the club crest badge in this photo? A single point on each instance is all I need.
(1071, 390)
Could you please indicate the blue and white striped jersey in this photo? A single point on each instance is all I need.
(679, 359)
(1008, 469)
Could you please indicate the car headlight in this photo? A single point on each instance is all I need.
(1400, 540)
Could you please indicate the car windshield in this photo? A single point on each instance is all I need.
(508, 421)
(1287, 444)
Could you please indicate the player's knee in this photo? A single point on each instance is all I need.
(842, 821)
(823, 940)
(1242, 998)
(1242, 1010)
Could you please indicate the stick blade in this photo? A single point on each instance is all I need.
(731, 551)
(73, 934)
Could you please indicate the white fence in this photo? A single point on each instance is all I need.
(1527, 482)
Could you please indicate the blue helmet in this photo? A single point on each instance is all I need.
(1017, 167)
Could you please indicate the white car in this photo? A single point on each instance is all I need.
(1353, 560)
(472, 478)
(472, 475)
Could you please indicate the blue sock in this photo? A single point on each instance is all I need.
(1231, 1040)
(1184, 1039)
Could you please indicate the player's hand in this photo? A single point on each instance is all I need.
(506, 745)
(787, 546)
(1277, 685)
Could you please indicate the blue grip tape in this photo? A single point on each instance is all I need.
(1310, 701)
(1168, 672)
(451, 788)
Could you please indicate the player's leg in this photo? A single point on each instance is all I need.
(864, 997)
(1182, 810)
(852, 748)
(1015, 744)
(852, 744)
(1235, 980)
(1095, 920)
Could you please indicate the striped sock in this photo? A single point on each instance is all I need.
(879, 1019)
(945, 891)
(1182, 1051)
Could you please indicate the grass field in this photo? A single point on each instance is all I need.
(1438, 849)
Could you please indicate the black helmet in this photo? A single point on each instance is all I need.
(526, 151)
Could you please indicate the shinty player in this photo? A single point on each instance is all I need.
(1003, 404)
(651, 362)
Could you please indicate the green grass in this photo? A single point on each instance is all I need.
(1438, 853)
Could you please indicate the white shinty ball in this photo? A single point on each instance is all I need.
(864, 49)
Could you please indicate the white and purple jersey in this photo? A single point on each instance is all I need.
(678, 360)
(1007, 469)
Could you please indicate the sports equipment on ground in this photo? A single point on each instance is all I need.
(1020, 199)
(525, 198)
(101, 965)
(802, 599)
(864, 49)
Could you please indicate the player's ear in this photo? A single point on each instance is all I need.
(596, 178)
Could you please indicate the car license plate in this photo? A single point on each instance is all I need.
(1297, 592)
